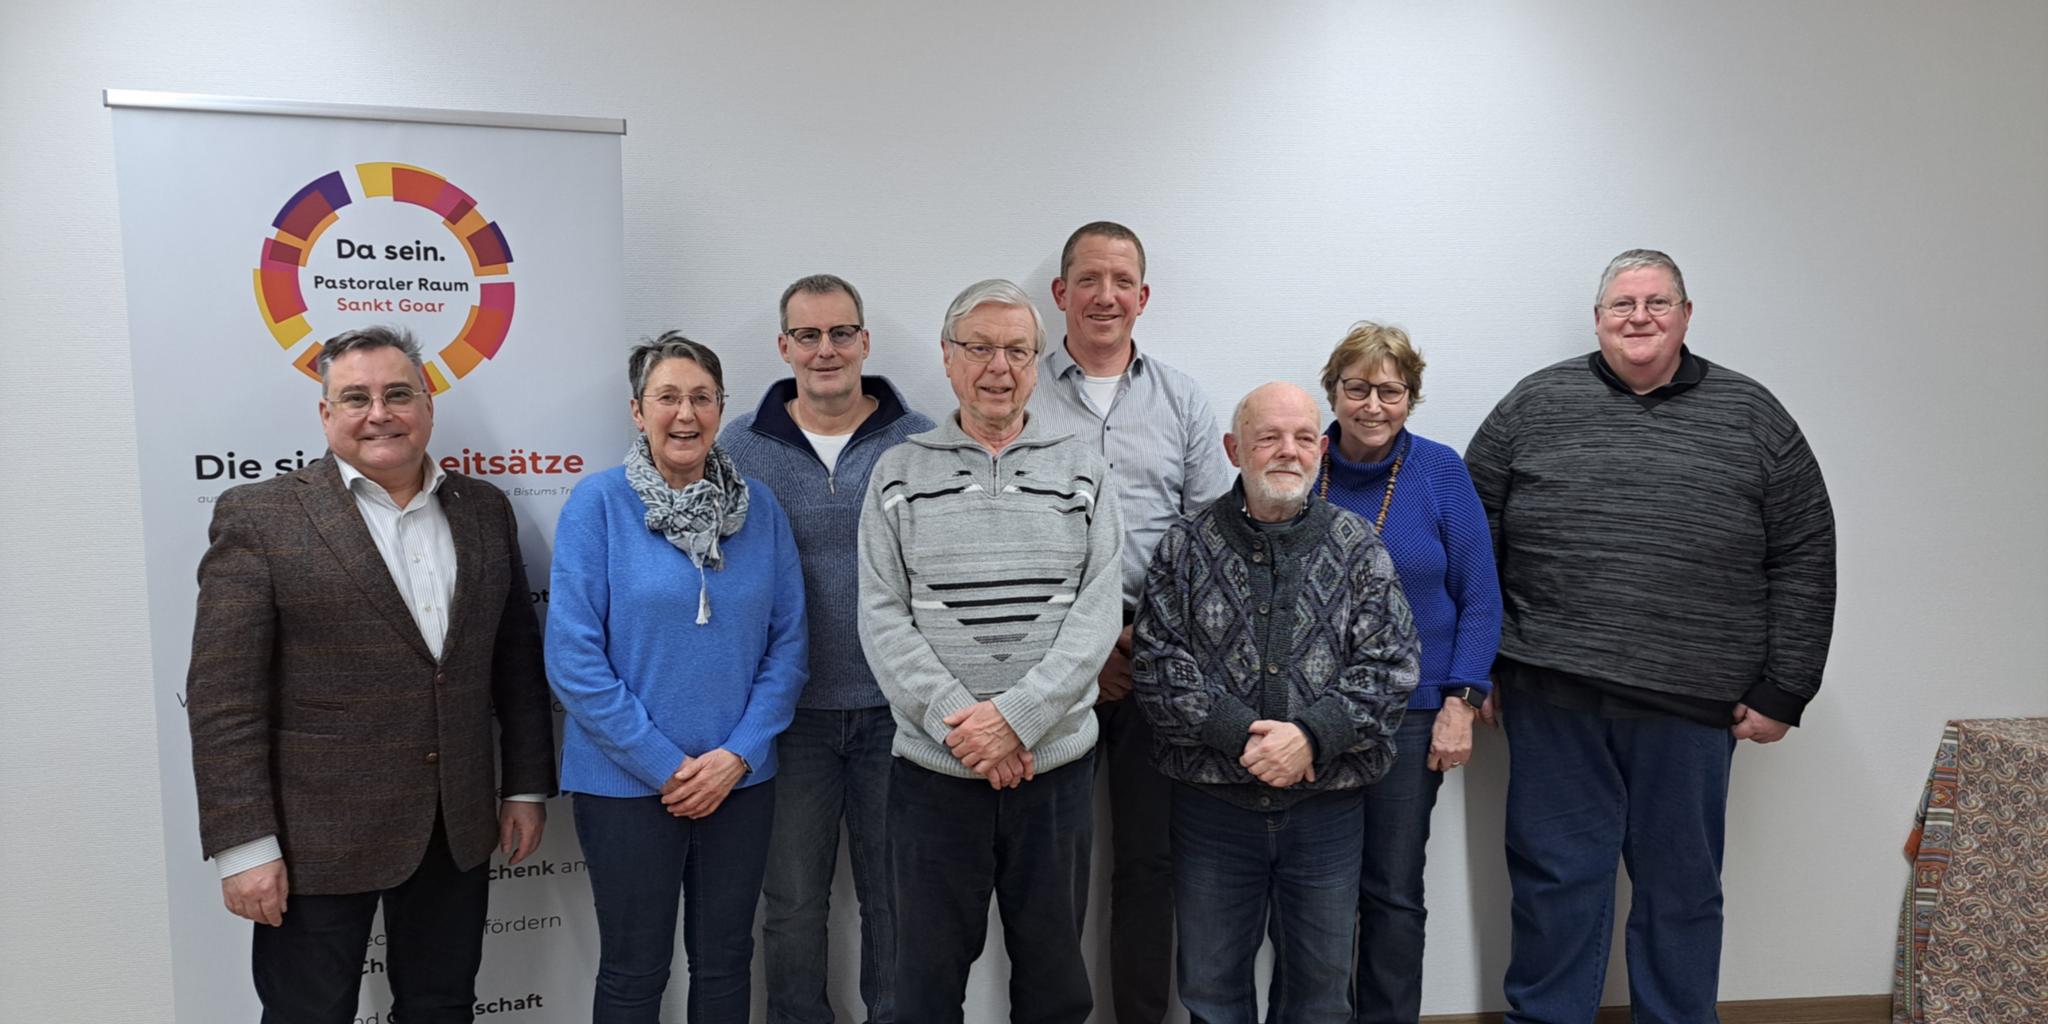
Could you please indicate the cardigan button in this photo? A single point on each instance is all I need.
(1265, 609)
(1272, 669)
(440, 679)
(433, 759)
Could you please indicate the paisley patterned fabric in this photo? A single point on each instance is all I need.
(1973, 929)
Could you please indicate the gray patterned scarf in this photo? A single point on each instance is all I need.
(694, 517)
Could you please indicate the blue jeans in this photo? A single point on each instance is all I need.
(830, 765)
(1231, 868)
(644, 863)
(1387, 988)
(954, 842)
(1583, 793)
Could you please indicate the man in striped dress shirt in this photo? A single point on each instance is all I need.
(1667, 559)
(1154, 426)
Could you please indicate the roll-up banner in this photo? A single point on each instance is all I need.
(252, 231)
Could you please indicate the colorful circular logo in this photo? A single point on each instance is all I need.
(387, 266)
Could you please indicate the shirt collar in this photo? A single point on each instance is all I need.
(772, 417)
(353, 479)
(1691, 370)
(1061, 362)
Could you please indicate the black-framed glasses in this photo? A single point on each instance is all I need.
(1358, 389)
(1655, 305)
(1017, 356)
(357, 402)
(843, 336)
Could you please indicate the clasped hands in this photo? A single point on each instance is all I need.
(701, 784)
(983, 741)
(1278, 754)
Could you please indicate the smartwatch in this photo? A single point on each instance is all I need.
(1471, 695)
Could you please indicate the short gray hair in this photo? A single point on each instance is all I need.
(998, 292)
(823, 284)
(1636, 259)
(647, 355)
(363, 339)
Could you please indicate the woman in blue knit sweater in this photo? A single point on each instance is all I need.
(676, 642)
(1417, 494)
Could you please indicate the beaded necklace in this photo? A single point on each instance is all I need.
(1386, 500)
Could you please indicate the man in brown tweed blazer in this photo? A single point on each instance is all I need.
(360, 623)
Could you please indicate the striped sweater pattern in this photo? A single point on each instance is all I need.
(990, 578)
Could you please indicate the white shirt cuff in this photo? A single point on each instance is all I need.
(258, 852)
(252, 854)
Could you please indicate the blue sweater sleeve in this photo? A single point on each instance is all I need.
(784, 666)
(579, 665)
(1469, 574)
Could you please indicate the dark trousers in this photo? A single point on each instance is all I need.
(1387, 988)
(1234, 869)
(645, 865)
(831, 765)
(309, 970)
(1141, 865)
(1583, 793)
(954, 842)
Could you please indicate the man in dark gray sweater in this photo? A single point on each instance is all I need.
(1274, 656)
(1667, 556)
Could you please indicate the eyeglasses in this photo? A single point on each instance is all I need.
(1655, 305)
(843, 336)
(670, 401)
(1358, 389)
(396, 398)
(1016, 355)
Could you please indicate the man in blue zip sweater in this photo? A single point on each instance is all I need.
(813, 440)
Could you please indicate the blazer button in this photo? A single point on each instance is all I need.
(433, 758)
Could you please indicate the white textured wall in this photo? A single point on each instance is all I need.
(1854, 188)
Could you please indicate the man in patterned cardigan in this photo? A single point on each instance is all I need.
(1274, 658)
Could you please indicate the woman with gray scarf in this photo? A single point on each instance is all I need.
(676, 642)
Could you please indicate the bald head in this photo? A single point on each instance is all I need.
(1276, 441)
(1278, 397)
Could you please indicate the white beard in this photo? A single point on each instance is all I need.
(1268, 490)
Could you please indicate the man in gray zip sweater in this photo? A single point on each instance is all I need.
(989, 596)
(813, 440)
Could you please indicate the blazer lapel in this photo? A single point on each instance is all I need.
(466, 527)
(333, 511)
